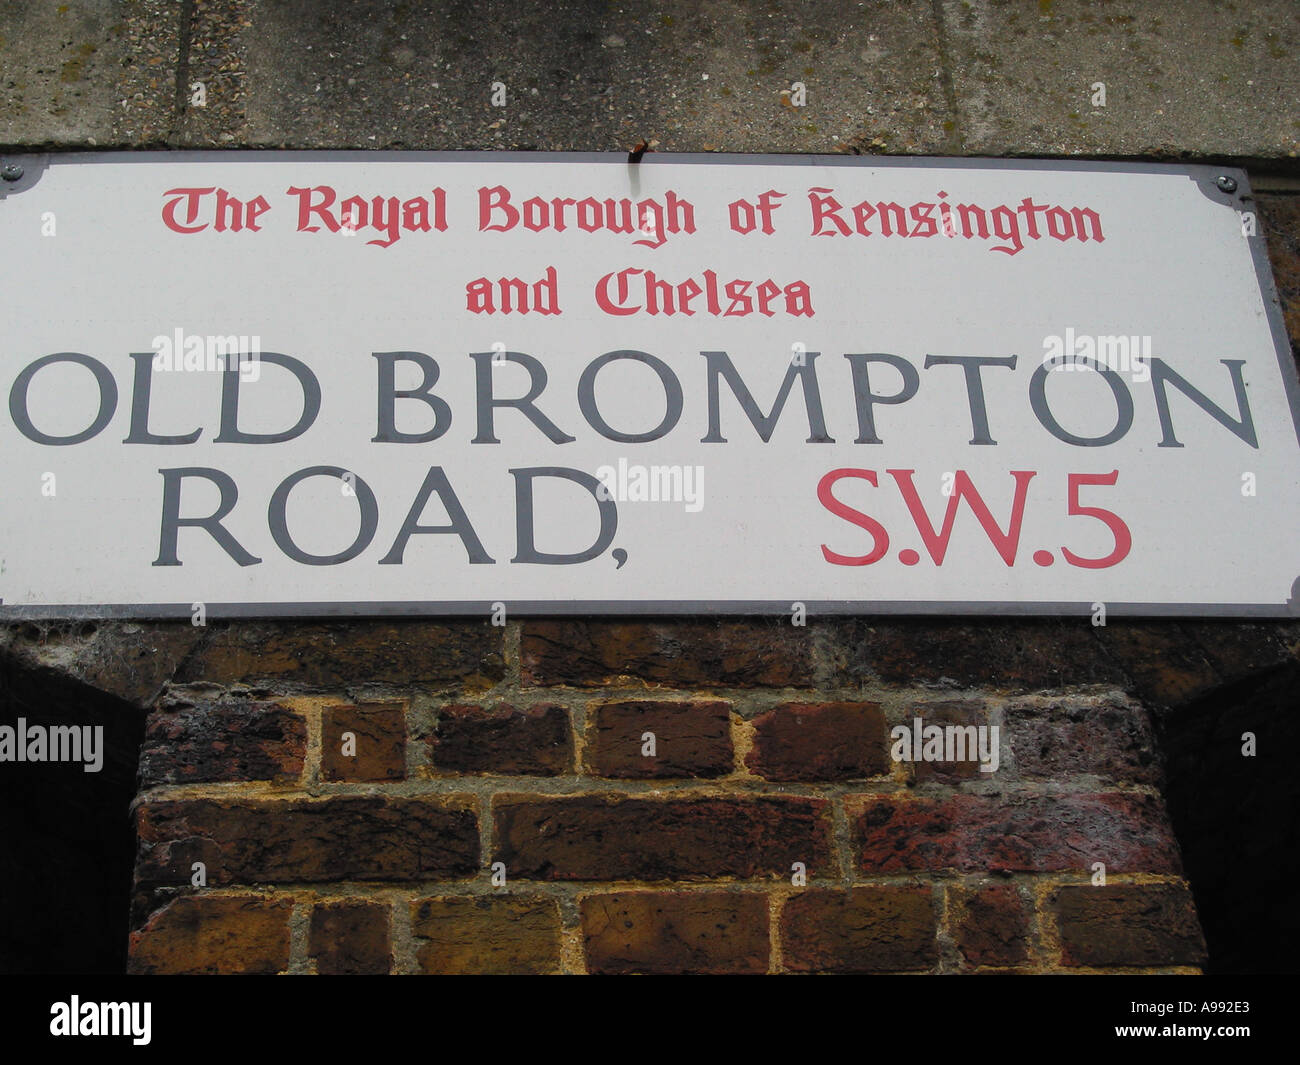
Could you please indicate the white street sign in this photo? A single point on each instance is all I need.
(285, 383)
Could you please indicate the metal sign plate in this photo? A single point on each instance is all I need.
(273, 384)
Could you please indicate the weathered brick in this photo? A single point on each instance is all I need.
(378, 742)
(992, 925)
(286, 841)
(293, 655)
(133, 659)
(1281, 218)
(963, 714)
(223, 740)
(691, 739)
(1128, 924)
(1008, 654)
(1165, 665)
(1128, 831)
(1104, 738)
(862, 930)
(537, 740)
(207, 934)
(351, 937)
(497, 934)
(704, 653)
(668, 932)
(819, 741)
(1238, 649)
(605, 837)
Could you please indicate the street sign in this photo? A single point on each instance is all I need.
(316, 384)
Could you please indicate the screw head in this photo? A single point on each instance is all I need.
(11, 172)
(1226, 183)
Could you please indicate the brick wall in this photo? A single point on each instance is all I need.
(523, 745)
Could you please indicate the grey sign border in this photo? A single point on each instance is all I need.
(1206, 177)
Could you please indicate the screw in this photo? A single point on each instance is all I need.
(11, 172)
(1226, 183)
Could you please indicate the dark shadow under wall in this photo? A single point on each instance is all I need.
(67, 841)
(1237, 817)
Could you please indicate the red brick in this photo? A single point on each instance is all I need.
(669, 932)
(294, 655)
(605, 837)
(227, 739)
(1128, 924)
(705, 653)
(200, 934)
(503, 739)
(962, 713)
(692, 739)
(819, 741)
(991, 833)
(1008, 654)
(992, 925)
(351, 937)
(378, 732)
(487, 935)
(1101, 738)
(286, 841)
(863, 930)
